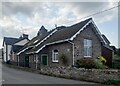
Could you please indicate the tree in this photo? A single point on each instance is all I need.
(118, 52)
(114, 49)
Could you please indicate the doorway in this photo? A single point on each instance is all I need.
(44, 59)
(26, 61)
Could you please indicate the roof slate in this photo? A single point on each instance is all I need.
(10, 40)
(16, 48)
(62, 34)
(105, 38)
(34, 41)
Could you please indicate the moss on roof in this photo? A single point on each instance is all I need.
(37, 38)
(62, 34)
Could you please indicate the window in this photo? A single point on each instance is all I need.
(87, 48)
(55, 56)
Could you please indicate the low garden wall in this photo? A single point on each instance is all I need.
(96, 75)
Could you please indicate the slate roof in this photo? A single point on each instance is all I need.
(16, 48)
(62, 34)
(10, 40)
(105, 38)
(34, 41)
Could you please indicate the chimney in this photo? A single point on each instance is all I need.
(24, 36)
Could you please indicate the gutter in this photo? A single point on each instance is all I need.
(73, 51)
(48, 44)
(24, 50)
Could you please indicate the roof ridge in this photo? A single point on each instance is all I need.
(11, 37)
(82, 21)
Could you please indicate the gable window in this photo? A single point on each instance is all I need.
(87, 48)
(55, 56)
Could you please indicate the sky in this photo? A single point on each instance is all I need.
(28, 16)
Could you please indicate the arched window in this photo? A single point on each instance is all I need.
(55, 56)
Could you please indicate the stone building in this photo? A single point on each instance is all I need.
(81, 40)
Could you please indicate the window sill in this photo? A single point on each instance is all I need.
(55, 61)
(87, 56)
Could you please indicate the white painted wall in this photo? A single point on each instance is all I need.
(4, 52)
(0, 53)
(22, 42)
(9, 49)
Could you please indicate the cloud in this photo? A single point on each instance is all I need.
(11, 8)
(51, 13)
(27, 17)
(81, 10)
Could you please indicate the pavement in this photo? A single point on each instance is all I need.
(14, 76)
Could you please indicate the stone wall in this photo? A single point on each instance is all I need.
(32, 61)
(87, 33)
(22, 59)
(63, 48)
(96, 75)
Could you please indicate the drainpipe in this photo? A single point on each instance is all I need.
(18, 60)
(73, 51)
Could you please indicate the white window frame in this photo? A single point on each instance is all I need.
(88, 47)
(54, 56)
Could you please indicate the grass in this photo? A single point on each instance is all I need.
(116, 58)
(112, 82)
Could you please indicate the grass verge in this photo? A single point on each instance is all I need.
(112, 82)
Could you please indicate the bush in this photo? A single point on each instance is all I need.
(102, 59)
(116, 63)
(89, 63)
(64, 59)
(99, 64)
(112, 82)
(85, 63)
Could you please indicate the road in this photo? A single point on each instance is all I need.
(14, 76)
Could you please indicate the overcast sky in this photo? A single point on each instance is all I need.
(28, 17)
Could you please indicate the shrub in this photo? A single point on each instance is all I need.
(64, 59)
(89, 63)
(112, 82)
(116, 62)
(102, 59)
(85, 63)
(99, 64)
